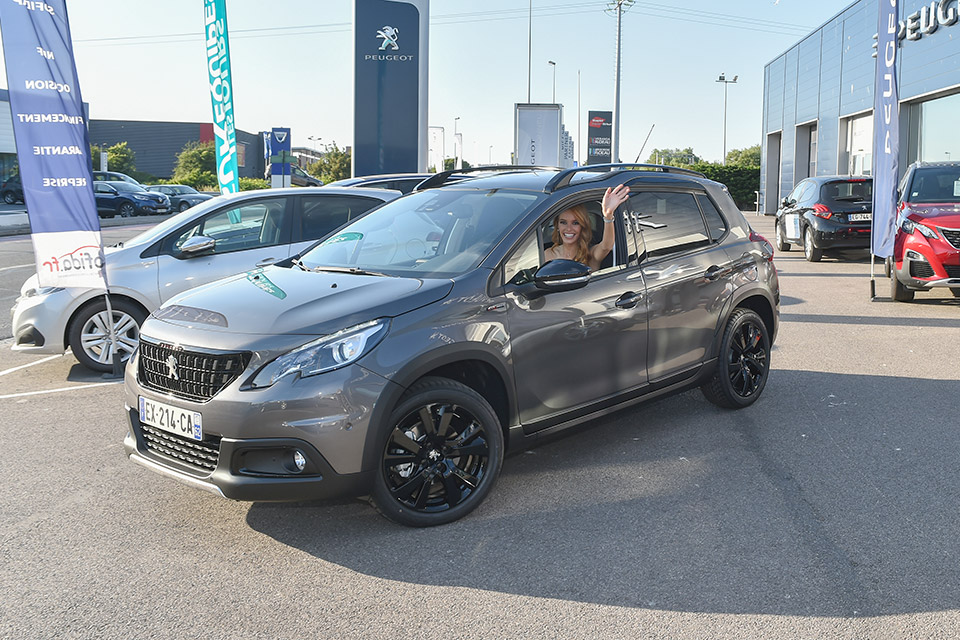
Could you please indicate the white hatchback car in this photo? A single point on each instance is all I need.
(217, 238)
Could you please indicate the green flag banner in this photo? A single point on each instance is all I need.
(221, 93)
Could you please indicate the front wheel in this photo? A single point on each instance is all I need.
(744, 362)
(9, 197)
(810, 250)
(89, 334)
(440, 457)
(898, 292)
(782, 244)
(127, 210)
(184, 206)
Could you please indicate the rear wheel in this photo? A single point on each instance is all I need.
(89, 334)
(440, 457)
(9, 197)
(744, 362)
(782, 244)
(810, 251)
(898, 292)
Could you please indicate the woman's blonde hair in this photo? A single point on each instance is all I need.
(586, 232)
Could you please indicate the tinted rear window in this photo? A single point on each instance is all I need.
(846, 191)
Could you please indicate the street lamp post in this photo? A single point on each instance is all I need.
(723, 79)
(457, 146)
(619, 6)
(490, 155)
(554, 65)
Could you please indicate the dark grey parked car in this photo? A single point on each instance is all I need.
(403, 355)
(182, 196)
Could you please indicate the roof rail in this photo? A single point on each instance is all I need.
(563, 179)
(442, 177)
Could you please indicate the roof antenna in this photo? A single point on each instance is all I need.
(644, 143)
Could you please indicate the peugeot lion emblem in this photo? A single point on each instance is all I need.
(171, 363)
(389, 35)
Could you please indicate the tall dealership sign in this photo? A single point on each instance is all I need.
(599, 130)
(390, 86)
(536, 137)
(280, 157)
(886, 133)
(53, 146)
(221, 93)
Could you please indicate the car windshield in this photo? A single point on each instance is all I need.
(859, 190)
(439, 233)
(935, 185)
(127, 186)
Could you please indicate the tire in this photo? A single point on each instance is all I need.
(9, 197)
(183, 206)
(810, 251)
(887, 267)
(127, 210)
(743, 364)
(782, 244)
(898, 292)
(955, 292)
(89, 333)
(432, 470)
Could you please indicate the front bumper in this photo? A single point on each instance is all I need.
(921, 265)
(39, 322)
(250, 436)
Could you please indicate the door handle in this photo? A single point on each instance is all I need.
(628, 300)
(714, 272)
(266, 261)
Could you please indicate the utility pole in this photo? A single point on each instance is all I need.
(619, 6)
(723, 79)
(529, 48)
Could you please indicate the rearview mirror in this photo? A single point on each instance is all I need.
(561, 275)
(197, 245)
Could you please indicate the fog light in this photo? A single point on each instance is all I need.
(299, 460)
(913, 255)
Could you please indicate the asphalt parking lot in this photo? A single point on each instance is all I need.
(826, 510)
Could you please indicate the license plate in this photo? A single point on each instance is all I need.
(855, 217)
(186, 424)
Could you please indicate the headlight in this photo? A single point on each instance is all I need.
(41, 291)
(324, 354)
(909, 226)
(137, 196)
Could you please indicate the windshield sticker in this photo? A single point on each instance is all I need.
(261, 281)
(350, 236)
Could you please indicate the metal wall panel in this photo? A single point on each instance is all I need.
(828, 127)
(788, 141)
(808, 78)
(858, 66)
(932, 62)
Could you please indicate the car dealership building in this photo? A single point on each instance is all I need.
(818, 96)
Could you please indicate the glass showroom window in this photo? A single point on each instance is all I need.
(939, 134)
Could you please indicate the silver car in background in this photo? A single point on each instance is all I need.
(217, 238)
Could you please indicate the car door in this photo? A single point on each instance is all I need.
(247, 235)
(320, 213)
(793, 211)
(106, 197)
(686, 271)
(574, 350)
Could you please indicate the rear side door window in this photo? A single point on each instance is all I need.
(716, 225)
(670, 222)
(321, 214)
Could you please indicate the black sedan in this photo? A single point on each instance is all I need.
(824, 213)
(182, 197)
(128, 200)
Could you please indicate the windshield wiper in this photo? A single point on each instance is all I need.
(296, 262)
(354, 270)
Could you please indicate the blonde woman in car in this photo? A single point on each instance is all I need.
(572, 231)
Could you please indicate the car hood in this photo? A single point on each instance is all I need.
(941, 215)
(290, 301)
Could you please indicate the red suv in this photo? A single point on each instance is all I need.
(926, 251)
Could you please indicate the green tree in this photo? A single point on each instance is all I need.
(747, 157)
(674, 157)
(196, 165)
(741, 181)
(120, 157)
(448, 164)
(335, 164)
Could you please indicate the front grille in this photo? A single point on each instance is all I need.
(202, 455)
(952, 236)
(920, 269)
(953, 270)
(191, 375)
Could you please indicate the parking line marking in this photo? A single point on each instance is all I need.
(36, 393)
(18, 266)
(30, 364)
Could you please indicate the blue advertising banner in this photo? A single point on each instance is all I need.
(390, 86)
(886, 133)
(221, 94)
(53, 148)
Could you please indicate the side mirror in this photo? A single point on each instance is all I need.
(196, 245)
(785, 202)
(561, 275)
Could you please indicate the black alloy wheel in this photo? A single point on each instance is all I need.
(782, 244)
(127, 210)
(810, 251)
(9, 197)
(743, 364)
(441, 456)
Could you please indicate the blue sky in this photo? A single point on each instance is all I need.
(144, 60)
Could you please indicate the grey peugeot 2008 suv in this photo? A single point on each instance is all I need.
(405, 354)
